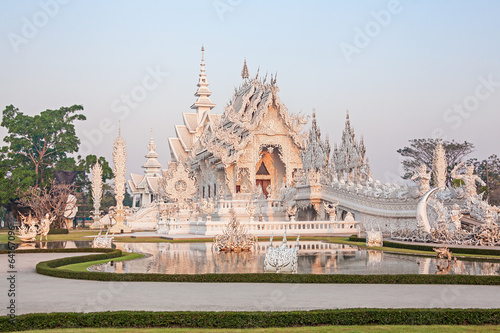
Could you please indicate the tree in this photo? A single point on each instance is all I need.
(35, 144)
(52, 200)
(422, 151)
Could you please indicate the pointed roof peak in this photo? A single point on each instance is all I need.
(244, 73)
(152, 145)
(203, 93)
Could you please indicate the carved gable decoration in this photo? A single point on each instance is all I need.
(177, 183)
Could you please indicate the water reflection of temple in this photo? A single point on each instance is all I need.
(314, 257)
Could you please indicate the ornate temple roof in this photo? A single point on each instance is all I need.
(243, 115)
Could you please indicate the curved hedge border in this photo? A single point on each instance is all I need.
(50, 268)
(418, 247)
(135, 319)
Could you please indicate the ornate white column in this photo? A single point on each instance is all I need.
(96, 194)
(119, 160)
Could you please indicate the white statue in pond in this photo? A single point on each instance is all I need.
(282, 258)
(374, 238)
(103, 241)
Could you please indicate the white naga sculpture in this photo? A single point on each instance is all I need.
(281, 259)
(374, 238)
(331, 209)
(96, 193)
(251, 208)
(469, 179)
(207, 207)
(103, 241)
(423, 177)
(291, 211)
(234, 238)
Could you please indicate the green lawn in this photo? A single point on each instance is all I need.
(82, 267)
(316, 329)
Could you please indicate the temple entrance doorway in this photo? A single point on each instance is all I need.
(270, 171)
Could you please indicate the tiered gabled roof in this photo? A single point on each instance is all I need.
(147, 183)
(181, 146)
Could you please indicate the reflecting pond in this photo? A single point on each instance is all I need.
(315, 257)
(49, 245)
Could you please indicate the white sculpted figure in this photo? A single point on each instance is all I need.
(331, 209)
(455, 216)
(374, 238)
(28, 229)
(103, 241)
(281, 259)
(45, 226)
(234, 238)
(469, 179)
(423, 177)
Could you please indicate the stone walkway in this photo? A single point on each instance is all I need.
(43, 294)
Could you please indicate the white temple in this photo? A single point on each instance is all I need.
(257, 162)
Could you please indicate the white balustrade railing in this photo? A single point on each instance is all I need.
(212, 228)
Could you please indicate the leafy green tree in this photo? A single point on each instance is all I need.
(422, 151)
(35, 144)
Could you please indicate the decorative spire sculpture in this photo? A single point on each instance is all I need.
(119, 169)
(97, 187)
(244, 72)
(439, 166)
(96, 193)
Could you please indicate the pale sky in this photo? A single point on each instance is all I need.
(404, 69)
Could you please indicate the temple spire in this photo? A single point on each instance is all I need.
(203, 103)
(244, 72)
(152, 166)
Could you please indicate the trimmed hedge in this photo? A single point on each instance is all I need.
(418, 247)
(142, 319)
(50, 268)
(59, 231)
